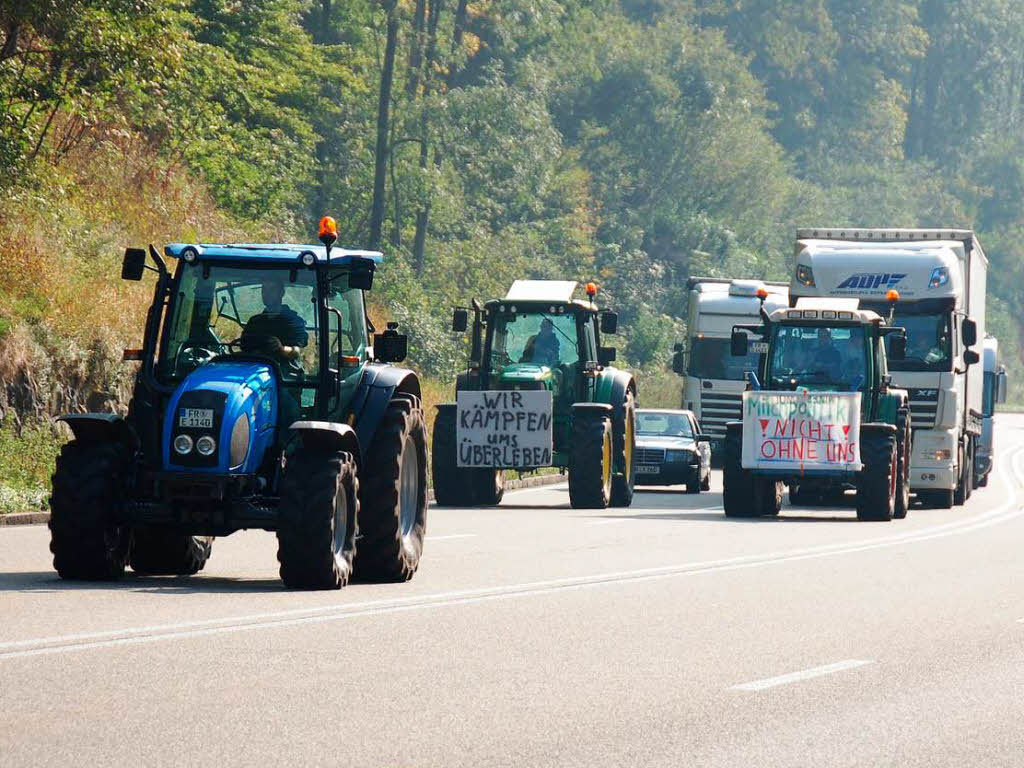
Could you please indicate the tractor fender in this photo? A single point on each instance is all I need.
(612, 386)
(328, 435)
(101, 428)
(380, 383)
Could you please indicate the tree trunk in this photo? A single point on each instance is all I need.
(423, 214)
(380, 160)
(412, 83)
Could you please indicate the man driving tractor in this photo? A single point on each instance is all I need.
(278, 330)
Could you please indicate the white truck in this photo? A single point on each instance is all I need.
(714, 380)
(993, 392)
(940, 276)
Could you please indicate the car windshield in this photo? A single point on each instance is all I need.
(928, 343)
(663, 424)
(818, 356)
(222, 310)
(536, 337)
(712, 359)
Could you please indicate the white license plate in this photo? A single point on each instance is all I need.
(759, 347)
(648, 469)
(196, 418)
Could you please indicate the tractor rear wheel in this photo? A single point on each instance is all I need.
(452, 486)
(393, 515)
(876, 482)
(86, 541)
(903, 448)
(160, 552)
(737, 483)
(590, 460)
(624, 445)
(319, 518)
(488, 486)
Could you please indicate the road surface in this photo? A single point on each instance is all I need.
(538, 635)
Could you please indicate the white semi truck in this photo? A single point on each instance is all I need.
(940, 276)
(714, 380)
(993, 392)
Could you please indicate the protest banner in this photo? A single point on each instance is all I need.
(801, 431)
(504, 429)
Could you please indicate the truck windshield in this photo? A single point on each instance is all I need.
(711, 359)
(539, 338)
(235, 310)
(928, 343)
(816, 356)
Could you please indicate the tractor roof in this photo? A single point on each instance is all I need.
(828, 310)
(541, 290)
(269, 254)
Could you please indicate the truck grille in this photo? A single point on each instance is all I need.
(650, 455)
(717, 409)
(924, 406)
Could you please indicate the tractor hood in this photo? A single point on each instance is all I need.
(235, 404)
(530, 374)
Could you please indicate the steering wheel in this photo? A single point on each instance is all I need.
(252, 343)
(191, 355)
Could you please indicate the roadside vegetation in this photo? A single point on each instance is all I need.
(630, 142)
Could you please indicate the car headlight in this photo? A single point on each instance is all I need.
(206, 445)
(676, 456)
(240, 440)
(183, 444)
(805, 275)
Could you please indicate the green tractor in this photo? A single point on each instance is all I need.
(821, 415)
(539, 391)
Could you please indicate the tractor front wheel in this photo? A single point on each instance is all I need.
(393, 516)
(876, 482)
(319, 518)
(590, 459)
(624, 443)
(452, 485)
(160, 552)
(86, 541)
(738, 485)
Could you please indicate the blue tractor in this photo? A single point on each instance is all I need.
(264, 400)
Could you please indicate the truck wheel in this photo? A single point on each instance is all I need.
(624, 443)
(86, 541)
(319, 516)
(737, 483)
(590, 460)
(452, 486)
(876, 482)
(767, 497)
(796, 495)
(393, 496)
(160, 552)
(960, 494)
(488, 486)
(969, 468)
(903, 449)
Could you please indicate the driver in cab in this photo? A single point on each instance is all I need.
(278, 331)
(826, 358)
(542, 348)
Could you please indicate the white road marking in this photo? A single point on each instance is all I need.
(449, 536)
(796, 677)
(1008, 510)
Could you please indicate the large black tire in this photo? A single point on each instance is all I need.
(453, 487)
(693, 484)
(319, 519)
(624, 447)
(961, 492)
(393, 496)
(903, 450)
(161, 552)
(488, 486)
(590, 460)
(737, 483)
(983, 482)
(876, 482)
(767, 497)
(969, 484)
(88, 491)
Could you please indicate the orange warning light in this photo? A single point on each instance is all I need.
(893, 295)
(591, 290)
(328, 230)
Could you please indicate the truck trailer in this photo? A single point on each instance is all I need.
(940, 277)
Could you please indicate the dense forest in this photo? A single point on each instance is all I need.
(634, 142)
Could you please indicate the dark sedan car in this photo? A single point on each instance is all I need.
(670, 450)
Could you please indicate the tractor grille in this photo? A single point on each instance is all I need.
(650, 455)
(717, 409)
(924, 406)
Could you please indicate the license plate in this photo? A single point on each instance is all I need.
(759, 347)
(648, 469)
(196, 418)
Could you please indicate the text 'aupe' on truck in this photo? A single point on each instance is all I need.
(941, 278)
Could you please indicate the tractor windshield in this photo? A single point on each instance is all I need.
(818, 357)
(223, 310)
(534, 337)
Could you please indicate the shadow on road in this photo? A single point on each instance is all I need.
(720, 517)
(48, 581)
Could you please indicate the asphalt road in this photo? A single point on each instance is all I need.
(536, 635)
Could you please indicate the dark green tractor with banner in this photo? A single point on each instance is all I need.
(821, 414)
(539, 391)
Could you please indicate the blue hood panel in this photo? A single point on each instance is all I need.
(235, 390)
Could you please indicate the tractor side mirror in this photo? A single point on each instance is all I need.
(679, 360)
(971, 357)
(898, 347)
(609, 323)
(1001, 385)
(361, 274)
(390, 346)
(739, 344)
(606, 355)
(134, 264)
(460, 320)
(969, 333)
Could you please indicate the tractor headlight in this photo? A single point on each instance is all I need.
(183, 444)
(309, 258)
(206, 445)
(805, 275)
(240, 440)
